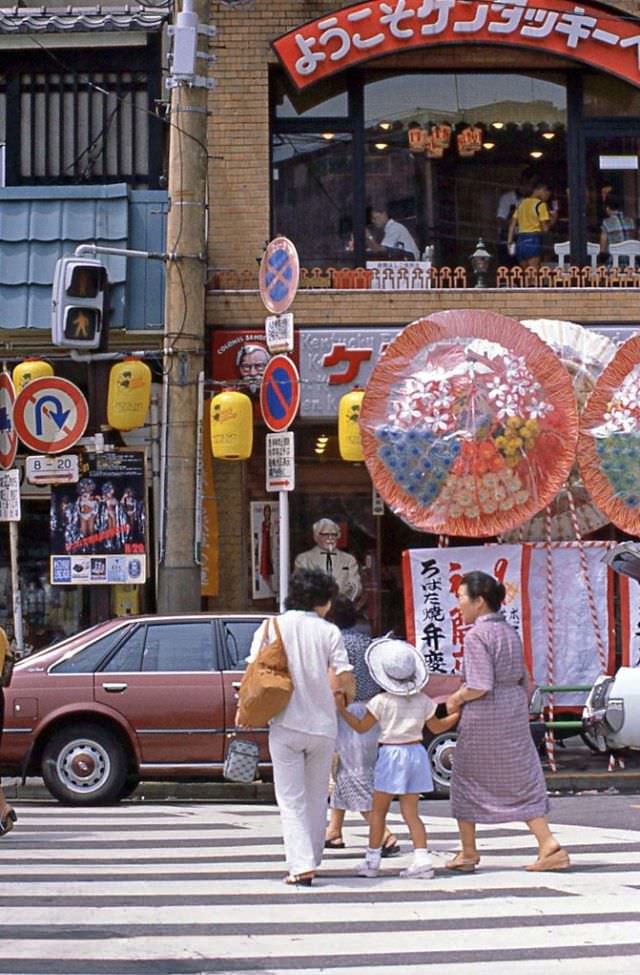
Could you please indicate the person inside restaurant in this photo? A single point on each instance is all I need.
(395, 243)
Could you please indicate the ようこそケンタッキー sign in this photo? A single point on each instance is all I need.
(362, 31)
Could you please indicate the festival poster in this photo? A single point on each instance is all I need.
(432, 576)
(264, 549)
(98, 526)
(431, 580)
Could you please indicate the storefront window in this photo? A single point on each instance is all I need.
(313, 194)
(613, 198)
(448, 196)
(605, 96)
(328, 99)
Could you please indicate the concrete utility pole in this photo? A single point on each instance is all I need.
(179, 569)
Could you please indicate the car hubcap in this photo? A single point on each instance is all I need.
(442, 760)
(83, 766)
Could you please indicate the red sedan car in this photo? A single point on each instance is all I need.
(147, 697)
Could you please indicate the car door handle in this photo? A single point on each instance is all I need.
(236, 684)
(114, 688)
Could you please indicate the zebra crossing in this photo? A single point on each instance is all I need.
(156, 889)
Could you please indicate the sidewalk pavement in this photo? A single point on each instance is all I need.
(578, 770)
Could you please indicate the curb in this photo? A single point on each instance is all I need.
(557, 782)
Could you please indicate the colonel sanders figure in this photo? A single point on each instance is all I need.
(326, 556)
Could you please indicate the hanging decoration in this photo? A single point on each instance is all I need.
(129, 394)
(441, 135)
(468, 424)
(469, 140)
(231, 426)
(349, 439)
(421, 140)
(584, 354)
(609, 444)
(30, 369)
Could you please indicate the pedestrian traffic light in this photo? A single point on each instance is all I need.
(78, 303)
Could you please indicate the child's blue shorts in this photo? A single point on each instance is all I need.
(402, 769)
(528, 245)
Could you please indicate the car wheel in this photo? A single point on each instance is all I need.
(441, 750)
(84, 764)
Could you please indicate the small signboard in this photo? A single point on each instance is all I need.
(279, 275)
(97, 570)
(280, 463)
(45, 469)
(10, 495)
(279, 393)
(279, 332)
(50, 414)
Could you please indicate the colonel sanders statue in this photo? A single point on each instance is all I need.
(326, 556)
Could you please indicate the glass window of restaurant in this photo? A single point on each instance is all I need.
(343, 167)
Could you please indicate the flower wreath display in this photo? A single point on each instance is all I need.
(609, 443)
(584, 354)
(469, 424)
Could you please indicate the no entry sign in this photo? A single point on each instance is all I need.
(279, 275)
(279, 393)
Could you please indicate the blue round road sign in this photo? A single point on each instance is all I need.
(279, 393)
(279, 275)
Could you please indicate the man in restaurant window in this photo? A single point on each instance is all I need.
(396, 242)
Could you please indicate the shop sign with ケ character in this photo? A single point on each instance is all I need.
(50, 415)
(363, 31)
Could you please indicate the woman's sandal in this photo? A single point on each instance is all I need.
(7, 821)
(390, 849)
(334, 843)
(462, 864)
(558, 860)
(299, 880)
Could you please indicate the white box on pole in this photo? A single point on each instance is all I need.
(10, 495)
(279, 332)
(280, 462)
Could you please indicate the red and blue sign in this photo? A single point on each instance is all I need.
(50, 415)
(279, 393)
(279, 275)
(8, 435)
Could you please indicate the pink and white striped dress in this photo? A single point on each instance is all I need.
(497, 776)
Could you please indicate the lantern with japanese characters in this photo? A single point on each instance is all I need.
(129, 394)
(417, 136)
(30, 369)
(231, 425)
(469, 140)
(349, 440)
(441, 135)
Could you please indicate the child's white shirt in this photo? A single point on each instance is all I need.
(401, 719)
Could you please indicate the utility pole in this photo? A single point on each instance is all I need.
(179, 568)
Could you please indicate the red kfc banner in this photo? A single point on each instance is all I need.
(363, 31)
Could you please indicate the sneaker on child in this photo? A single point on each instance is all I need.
(422, 870)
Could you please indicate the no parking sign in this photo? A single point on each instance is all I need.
(279, 275)
(279, 393)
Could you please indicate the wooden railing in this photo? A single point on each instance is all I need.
(359, 278)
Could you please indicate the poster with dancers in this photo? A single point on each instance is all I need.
(98, 526)
(264, 549)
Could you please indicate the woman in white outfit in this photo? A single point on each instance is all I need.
(302, 737)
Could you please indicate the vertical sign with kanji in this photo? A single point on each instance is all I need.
(280, 463)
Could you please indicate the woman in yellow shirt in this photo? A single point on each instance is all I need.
(529, 222)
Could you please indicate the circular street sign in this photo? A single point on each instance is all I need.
(8, 435)
(279, 274)
(50, 415)
(279, 393)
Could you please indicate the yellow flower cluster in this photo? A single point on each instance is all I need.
(472, 497)
(518, 437)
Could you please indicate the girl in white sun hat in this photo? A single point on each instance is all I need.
(402, 767)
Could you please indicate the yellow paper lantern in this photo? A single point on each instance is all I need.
(349, 440)
(129, 394)
(30, 369)
(231, 426)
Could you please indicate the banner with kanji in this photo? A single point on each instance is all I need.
(563, 587)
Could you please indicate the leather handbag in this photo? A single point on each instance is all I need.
(266, 686)
(241, 760)
(7, 660)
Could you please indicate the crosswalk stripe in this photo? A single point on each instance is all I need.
(192, 890)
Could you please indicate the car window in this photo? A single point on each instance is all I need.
(238, 635)
(178, 647)
(128, 657)
(88, 659)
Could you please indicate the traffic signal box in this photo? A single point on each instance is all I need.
(78, 303)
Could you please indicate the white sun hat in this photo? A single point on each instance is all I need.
(396, 665)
